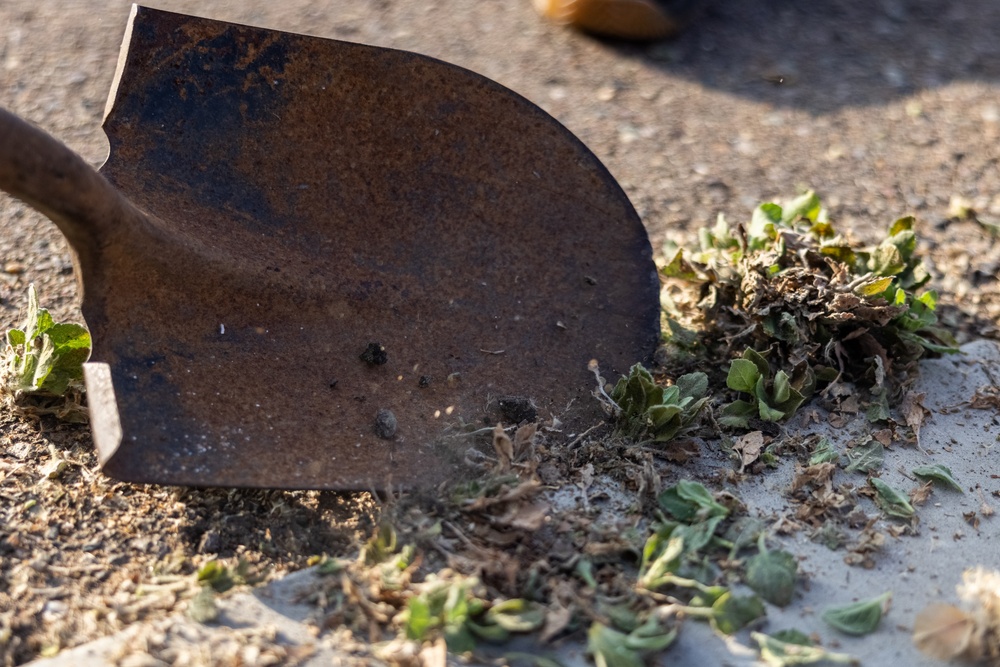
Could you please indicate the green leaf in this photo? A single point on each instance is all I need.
(939, 474)
(766, 412)
(660, 558)
(517, 615)
(459, 638)
(762, 225)
(886, 260)
(806, 206)
(697, 535)
(824, 453)
(874, 288)
(623, 616)
(380, 546)
(771, 574)
(650, 637)
(737, 414)
(841, 253)
(678, 267)
(929, 299)
(742, 533)
(731, 613)
(688, 501)
(904, 224)
(878, 409)
(793, 636)
(585, 570)
(419, 619)
(214, 573)
(781, 390)
(610, 648)
(30, 325)
(708, 596)
(759, 361)
(782, 653)
(489, 632)
(52, 355)
(743, 375)
(860, 618)
(866, 458)
(693, 384)
(15, 337)
(782, 326)
(44, 360)
(892, 502)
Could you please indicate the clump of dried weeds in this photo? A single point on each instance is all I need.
(789, 287)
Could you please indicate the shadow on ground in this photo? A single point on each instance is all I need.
(824, 56)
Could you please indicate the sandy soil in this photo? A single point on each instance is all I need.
(886, 108)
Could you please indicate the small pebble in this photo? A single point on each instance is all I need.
(385, 424)
(14, 268)
(375, 354)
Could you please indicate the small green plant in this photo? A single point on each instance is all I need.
(452, 607)
(792, 647)
(646, 410)
(771, 400)
(43, 357)
(614, 648)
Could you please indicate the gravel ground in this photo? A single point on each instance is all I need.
(885, 107)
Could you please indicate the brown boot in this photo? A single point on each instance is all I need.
(624, 19)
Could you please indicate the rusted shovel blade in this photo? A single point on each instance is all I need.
(357, 255)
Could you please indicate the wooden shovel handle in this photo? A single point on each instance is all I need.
(45, 174)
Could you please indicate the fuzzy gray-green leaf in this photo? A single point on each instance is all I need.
(771, 574)
(866, 458)
(939, 474)
(860, 618)
(891, 501)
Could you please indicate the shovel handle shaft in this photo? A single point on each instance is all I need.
(45, 174)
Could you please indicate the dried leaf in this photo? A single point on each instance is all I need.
(920, 494)
(528, 516)
(504, 448)
(524, 440)
(557, 619)
(749, 447)
(914, 412)
(943, 631)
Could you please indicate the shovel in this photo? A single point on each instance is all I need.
(311, 264)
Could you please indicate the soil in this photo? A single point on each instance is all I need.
(886, 108)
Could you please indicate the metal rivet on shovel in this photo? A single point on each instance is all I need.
(316, 196)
